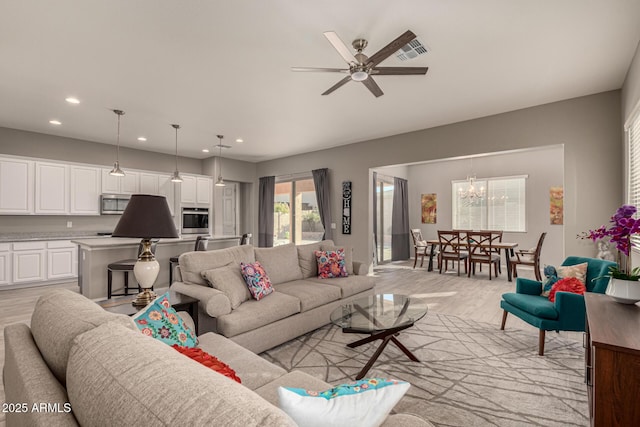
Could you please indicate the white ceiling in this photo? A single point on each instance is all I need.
(222, 66)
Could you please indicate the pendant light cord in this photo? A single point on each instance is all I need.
(177, 127)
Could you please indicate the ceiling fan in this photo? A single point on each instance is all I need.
(361, 67)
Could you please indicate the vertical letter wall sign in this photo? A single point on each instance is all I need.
(346, 207)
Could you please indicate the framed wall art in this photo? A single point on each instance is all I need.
(429, 204)
(556, 205)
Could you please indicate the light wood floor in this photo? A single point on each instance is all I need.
(475, 298)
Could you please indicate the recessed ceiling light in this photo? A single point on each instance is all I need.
(55, 122)
(72, 100)
(142, 139)
(205, 150)
(239, 140)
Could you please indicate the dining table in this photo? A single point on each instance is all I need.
(508, 248)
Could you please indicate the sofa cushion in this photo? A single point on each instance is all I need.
(310, 294)
(253, 370)
(348, 285)
(160, 321)
(537, 305)
(58, 317)
(131, 380)
(348, 254)
(280, 262)
(228, 280)
(194, 263)
(252, 314)
(307, 257)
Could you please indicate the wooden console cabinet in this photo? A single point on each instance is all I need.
(612, 361)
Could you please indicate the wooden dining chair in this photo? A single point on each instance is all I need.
(529, 257)
(419, 246)
(481, 251)
(496, 237)
(451, 249)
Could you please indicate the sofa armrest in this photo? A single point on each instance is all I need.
(360, 268)
(528, 286)
(212, 301)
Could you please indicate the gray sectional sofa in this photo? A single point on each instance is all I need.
(93, 368)
(301, 302)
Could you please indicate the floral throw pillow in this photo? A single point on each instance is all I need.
(212, 362)
(579, 271)
(331, 264)
(256, 279)
(160, 321)
(568, 284)
(363, 403)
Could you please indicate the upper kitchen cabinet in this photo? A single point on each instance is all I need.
(195, 190)
(52, 189)
(127, 184)
(16, 186)
(149, 183)
(85, 190)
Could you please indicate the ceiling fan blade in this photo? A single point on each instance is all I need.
(373, 86)
(322, 70)
(339, 45)
(390, 71)
(337, 85)
(386, 51)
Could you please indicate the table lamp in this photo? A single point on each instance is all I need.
(146, 217)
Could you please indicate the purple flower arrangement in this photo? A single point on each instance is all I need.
(622, 226)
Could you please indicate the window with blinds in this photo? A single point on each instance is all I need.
(632, 128)
(501, 207)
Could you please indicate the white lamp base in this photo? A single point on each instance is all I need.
(146, 272)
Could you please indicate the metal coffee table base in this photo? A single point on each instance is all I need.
(385, 336)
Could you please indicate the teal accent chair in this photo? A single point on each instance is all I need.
(567, 313)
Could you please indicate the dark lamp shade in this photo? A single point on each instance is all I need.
(146, 217)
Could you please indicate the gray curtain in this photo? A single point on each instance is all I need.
(400, 221)
(323, 195)
(375, 218)
(265, 211)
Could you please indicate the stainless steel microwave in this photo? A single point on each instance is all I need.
(113, 204)
(195, 220)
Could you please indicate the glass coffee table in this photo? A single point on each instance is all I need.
(382, 316)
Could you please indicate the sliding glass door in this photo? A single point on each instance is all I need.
(384, 193)
(295, 213)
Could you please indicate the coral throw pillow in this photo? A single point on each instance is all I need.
(208, 360)
(331, 264)
(256, 279)
(569, 284)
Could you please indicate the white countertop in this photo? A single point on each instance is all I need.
(110, 242)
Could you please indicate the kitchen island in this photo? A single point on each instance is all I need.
(96, 253)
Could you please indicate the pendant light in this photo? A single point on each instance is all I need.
(116, 171)
(176, 175)
(220, 181)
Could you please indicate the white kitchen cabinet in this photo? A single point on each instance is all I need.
(62, 260)
(203, 191)
(166, 188)
(127, 184)
(52, 189)
(16, 186)
(28, 262)
(188, 190)
(5, 264)
(149, 183)
(85, 190)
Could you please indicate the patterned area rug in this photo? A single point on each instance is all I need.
(470, 374)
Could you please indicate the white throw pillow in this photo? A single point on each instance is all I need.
(364, 403)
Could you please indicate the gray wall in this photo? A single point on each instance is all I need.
(544, 167)
(631, 87)
(588, 127)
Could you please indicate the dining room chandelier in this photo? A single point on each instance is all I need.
(472, 192)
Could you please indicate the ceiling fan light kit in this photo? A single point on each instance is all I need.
(361, 67)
